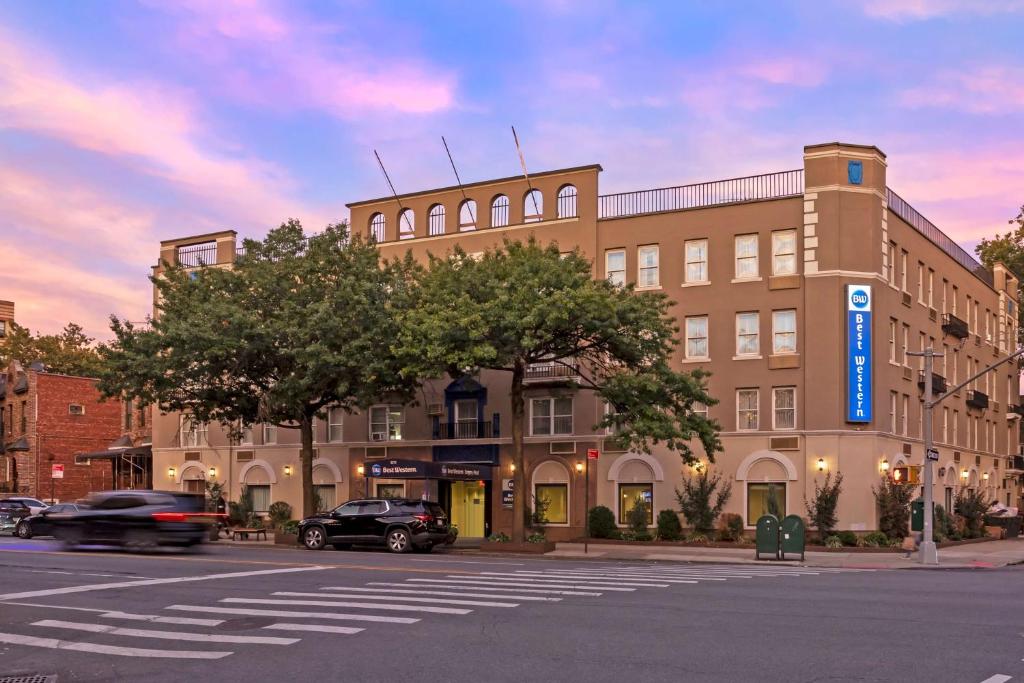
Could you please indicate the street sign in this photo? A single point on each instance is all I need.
(592, 453)
(56, 471)
(933, 454)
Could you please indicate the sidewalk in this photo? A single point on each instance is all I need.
(985, 555)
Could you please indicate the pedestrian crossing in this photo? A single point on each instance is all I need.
(285, 617)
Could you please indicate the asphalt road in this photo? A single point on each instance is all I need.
(251, 614)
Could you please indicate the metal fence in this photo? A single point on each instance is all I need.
(197, 255)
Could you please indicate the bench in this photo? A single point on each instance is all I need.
(239, 533)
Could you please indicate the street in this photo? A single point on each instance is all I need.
(234, 613)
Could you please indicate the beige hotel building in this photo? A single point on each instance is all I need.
(801, 291)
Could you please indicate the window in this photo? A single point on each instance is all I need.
(956, 427)
(193, 432)
(467, 216)
(956, 294)
(746, 409)
(903, 269)
(556, 498)
(931, 288)
(24, 416)
(260, 497)
(378, 227)
(784, 331)
(406, 224)
(615, 429)
(499, 211)
(784, 414)
(566, 203)
(697, 337)
(550, 416)
(615, 266)
(630, 495)
(128, 410)
(906, 342)
(747, 335)
(324, 495)
(945, 424)
(891, 262)
(920, 282)
(905, 414)
(920, 347)
(945, 288)
(3, 329)
(746, 256)
(533, 206)
(245, 435)
(892, 340)
(765, 498)
(386, 423)
(784, 252)
(335, 422)
(700, 409)
(466, 418)
(695, 253)
(385, 491)
(956, 366)
(269, 433)
(893, 397)
(647, 267)
(435, 220)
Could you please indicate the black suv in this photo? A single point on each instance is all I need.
(401, 524)
(137, 520)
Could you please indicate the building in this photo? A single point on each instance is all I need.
(6, 317)
(801, 291)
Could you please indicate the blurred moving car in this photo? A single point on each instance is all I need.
(12, 511)
(401, 524)
(41, 523)
(137, 520)
(33, 504)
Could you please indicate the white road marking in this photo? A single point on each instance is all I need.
(998, 678)
(487, 586)
(107, 614)
(352, 605)
(565, 583)
(293, 615)
(54, 644)
(153, 582)
(544, 578)
(521, 598)
(163, 635)
(52, 571)
(625, 580)
(404, 598)
(320, 628)
(507, 564)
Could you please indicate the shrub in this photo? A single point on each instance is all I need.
(240, 513)
(696, 496)
(499, 537)
(821, 508)
(833, 542)
(669, 528)
(279, 513)
(876, 539)
(536, 538)
(636, 519)
(291, 526)
(971, 507)
(730, 527)
(945, 526)
(894, 507)
(538, 516)
(601, 522)
(698, 537)
(848, 538)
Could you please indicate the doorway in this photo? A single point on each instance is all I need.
(468, 505)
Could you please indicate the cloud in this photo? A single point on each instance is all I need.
(744, 82)
(911, 10)
(988, 89)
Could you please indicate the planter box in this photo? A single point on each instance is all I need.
(533, 548)
(281, 538)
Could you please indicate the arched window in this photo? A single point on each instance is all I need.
(499, 211)
(435, 220)
(533, 206)
(567, 201)
(551, 489)
(467, 215)
(378, 226)
(406, 224)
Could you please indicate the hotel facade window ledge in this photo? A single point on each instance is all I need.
(706, 359)
(647, 289)
(737, 280)
(757, 357)
(784, 282)
(781, 361)
(705, 283)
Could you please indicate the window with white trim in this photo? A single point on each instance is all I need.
(386, 422)
(748, 341)
(378, 226)
(695, 253)
(245, 439)
(435, 220)
(615, 266)
(746, 256)
(193, 432)
(269, 433)
(550, 416)
(647, 267)
(335, 423)
(784, 252)
(746, 409)
(893, 399)
(697, 337)
(905, 414)
(892, 340)
(903, 269)
(892, 264)
(784, 331)
(499, 211)
(784, 408)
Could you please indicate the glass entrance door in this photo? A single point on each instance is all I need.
(468, 508)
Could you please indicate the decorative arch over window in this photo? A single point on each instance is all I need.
(567, 201)
(258, 465)
(744, 469)
(550, 482)
(467, 215)
(406, 224)
(188, 467)
(533, 206)
(378, 227)
(499, 211)
(435, 220)
(329, 466)
(615, 471)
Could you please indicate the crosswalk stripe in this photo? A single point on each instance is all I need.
(606, 584)
(488, 582)
(292, 614)
(319, 628)
(625, 580)
(116, 650)
(521, 598)
(357, 596)
(546, 578)
(453, 585)
(183, 621)
(163, 635)
(698, 573)
(355, 605)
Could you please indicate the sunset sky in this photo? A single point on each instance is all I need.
(124, 123)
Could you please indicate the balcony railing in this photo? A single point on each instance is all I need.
(197, 255)
(1016, 462)
(977, 399)
(713, 193)
(467, 429)
(954, 326)
(938, 382)
(551, 371)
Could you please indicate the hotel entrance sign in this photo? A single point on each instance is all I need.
(858, 353)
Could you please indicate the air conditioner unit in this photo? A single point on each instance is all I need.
(378, 436)
(244, 456)
(435, 409)
(784, 443)
(562, 447)
(76, 409)
(193, 455)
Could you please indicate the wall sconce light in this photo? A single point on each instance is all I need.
(985, 476)
(171, 472)
(884, 467)
(579, 468)
(964, 474)
(512, 468)
(360, 470)
(213, 472)
(821, 464)
(287, 470)
(698, 466)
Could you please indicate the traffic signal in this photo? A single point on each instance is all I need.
(900, 475)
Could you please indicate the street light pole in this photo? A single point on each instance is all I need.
(929, 553)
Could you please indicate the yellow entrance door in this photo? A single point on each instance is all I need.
(468, 508)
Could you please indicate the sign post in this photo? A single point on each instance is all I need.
(592, 454)
(56, 472)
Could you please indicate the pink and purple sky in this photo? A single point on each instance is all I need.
(124, 123)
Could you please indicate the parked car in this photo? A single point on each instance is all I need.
(399, 524)
(41, 523)
(11, 512)
(136, 520)
(33, 504)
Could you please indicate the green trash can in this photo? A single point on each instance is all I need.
(767, 537)
(793, 537)
(917, 515)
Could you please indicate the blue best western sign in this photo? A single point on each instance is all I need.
(858, 353)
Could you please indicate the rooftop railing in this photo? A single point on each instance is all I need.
(197, 255)
(714, 193)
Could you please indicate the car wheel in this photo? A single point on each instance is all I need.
(23, 530)
(398, 541)
(314, 538)
(342, 546)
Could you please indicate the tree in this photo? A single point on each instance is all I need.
(297, 326)
(1008, 249)
(695, 499)
(69, 353)
(523, 303)
(822, 507)
(893, 501)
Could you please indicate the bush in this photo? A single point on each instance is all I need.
(601, 522)
(636, 519)
(669, 528)
(893, 507)
(536, 538)
(876, 539)
(821, 508)
(848, 538)
(833, 542)
(241, 513)
(730, 527)
(696, 496)
(279, 513)
(291, 526)
(971, 507)
(698, 537)
(945, 526)
(537, 518)
(499, 537)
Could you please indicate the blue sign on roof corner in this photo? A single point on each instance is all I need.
(855, 172)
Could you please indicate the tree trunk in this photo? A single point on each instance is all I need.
(306, 465)
(519, 495)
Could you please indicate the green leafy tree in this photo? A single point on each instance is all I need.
(298, 325)
(821, 508)
(893, 507)
(702, 499)
(71, 352)
(524, 303)
(1008, 249)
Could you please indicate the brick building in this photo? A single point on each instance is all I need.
(6, 317)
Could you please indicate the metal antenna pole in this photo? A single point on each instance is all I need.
(522, 162)
(401, 209)
(458, 180)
